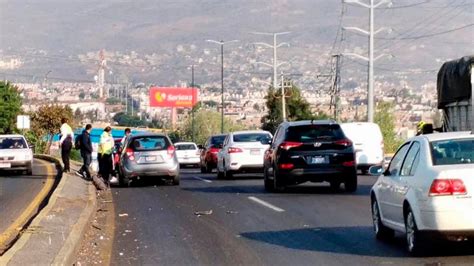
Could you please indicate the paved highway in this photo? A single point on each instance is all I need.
(307, 225)
(18, 192)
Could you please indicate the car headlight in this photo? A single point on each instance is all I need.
(28, 156)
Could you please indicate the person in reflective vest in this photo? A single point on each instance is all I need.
(106, 145)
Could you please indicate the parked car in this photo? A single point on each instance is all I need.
(188, 153)
(15, 153)
(368, 144)
(209, 152)
(242, 152)
(427, 191)
(148, 155)
(311, 150)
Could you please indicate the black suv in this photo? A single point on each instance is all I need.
(312, 150)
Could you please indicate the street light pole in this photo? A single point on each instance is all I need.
(371, 33)
(192, 108)
(221, 43)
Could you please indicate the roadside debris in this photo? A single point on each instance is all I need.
(123, 215)
(200, 213)
(232, 212)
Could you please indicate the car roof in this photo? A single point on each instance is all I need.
(141, 135)
(249, 131)
(185, 143)
(218, 135)
(12, 136)
(310, 122)
(445, 136)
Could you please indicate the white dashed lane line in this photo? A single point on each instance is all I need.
(266, 204)
(202, 179)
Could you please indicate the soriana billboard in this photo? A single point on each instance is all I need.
(172, 97)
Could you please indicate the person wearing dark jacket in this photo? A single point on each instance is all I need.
(86, 152)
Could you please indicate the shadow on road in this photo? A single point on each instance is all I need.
(299, 190)
(355, 240)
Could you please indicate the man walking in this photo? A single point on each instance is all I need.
(67, 136)
(86, 152)
(127, 132)
(106, 145)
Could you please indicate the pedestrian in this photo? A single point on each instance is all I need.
(65, 142)
(86, 152)
(127, 133)
(106, 145)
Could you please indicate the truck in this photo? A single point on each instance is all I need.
(455, 94)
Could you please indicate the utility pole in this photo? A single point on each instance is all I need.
(126, 99)
(192, 107)
(221, 43)
(283, 98)
(371, 33)
(336, 87)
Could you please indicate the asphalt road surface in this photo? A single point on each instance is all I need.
(306, 225)
(17, 191)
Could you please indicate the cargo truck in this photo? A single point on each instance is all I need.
(455, 90)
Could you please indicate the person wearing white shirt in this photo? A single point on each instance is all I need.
(65, 142)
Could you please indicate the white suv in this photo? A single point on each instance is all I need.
(243, 151)
(15, 153)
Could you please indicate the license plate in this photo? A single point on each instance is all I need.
(255, 152)
(5, 165)
(150, 158)
(317, 160)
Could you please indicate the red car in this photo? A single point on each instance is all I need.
(209, 152)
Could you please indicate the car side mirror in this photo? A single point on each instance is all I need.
(221, 146)
(200, 147)
(376, 170)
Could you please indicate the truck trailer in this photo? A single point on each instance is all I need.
(455, 90)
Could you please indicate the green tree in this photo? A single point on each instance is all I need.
(46, 122)
(10, 106)
(297, 108)
(206, 123)
(385, 119)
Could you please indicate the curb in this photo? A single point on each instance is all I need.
(32, 211)
(72, 243)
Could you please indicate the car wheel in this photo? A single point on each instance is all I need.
(208, 169)
(381, 231)
(414, 243)
(220, 175)
(277, 182)
(203, 169)
(350, 183)
(335, 185)
(228, 174)
(175, 181)
(269, 185)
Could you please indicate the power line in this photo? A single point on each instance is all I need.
(429, 35)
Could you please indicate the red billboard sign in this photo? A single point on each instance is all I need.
(172, 97)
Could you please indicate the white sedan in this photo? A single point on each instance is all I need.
(427, 191)
(15, 154)
(188, 153)
(243, 151)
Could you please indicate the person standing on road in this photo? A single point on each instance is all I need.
(86, 152)
(106, 145)
(67, 136)
(128, 132)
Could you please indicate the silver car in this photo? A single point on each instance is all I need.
(148, 155)
(15, 154)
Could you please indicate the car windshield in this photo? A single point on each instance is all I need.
(217, 140)
(150, 143)
(311, 133)
(263, 138)
(456, 151)
(12, 143)
(183, 147)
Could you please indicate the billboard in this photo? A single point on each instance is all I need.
(173, 97)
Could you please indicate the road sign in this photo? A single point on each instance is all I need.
(23, 122)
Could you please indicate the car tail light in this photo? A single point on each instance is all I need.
(447, 187)
(290, 144)
(286, 166)
(214, 150)
(344, 142)
(234, 150)
(349, 163)
(198, 153)
(130, 154)
(171, 150)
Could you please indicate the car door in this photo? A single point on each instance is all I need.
(386, 196)
(404, 181)
(224, 154)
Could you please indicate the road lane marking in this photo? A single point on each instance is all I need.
(266, 204)
(202, 179)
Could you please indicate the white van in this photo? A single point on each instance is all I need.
(368, 143)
